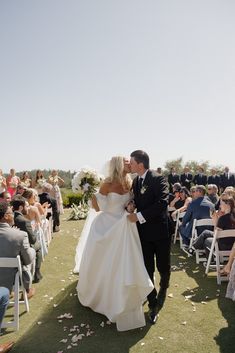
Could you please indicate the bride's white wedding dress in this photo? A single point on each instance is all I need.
(113, 280)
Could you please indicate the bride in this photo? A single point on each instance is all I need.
(113, 280)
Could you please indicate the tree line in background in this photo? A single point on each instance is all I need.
(177, 163)
(179, 166)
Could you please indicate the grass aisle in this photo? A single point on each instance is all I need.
(204, 321)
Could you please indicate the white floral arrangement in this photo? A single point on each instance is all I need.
(78, 212)
(86, 182)
(41, 182)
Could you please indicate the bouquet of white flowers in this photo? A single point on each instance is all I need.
(86, 182)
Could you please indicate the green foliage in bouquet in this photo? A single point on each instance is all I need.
(78, 212)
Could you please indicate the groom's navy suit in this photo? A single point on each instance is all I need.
(152, 200)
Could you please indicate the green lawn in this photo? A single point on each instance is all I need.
(183, 325)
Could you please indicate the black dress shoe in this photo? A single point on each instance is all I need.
(37, 276)
(153, 315)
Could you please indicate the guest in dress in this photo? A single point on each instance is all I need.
(12, 182)
(3, 183)
(56, 181)
(113, 279)
(25, 180)
(39, 181)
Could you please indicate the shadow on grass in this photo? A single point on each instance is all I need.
(206, 291)
(45, 335)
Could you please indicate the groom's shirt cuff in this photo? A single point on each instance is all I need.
(140, 217)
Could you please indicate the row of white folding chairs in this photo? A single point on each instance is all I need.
(15, 262)
(206, 222)
(45, 234)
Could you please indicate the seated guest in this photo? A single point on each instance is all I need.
(199, 208)
(14, 242)
(225, 220)
(186, 178)
(175, 194)
(226, 179)
(212, 193)
(45, 197)
(175, 202)
(21, 210)
(172, 179)
(7, 197)
(4, 301)
(193, 192)
(200, 178)
(35, 208)
(214, 178)
(185, 198)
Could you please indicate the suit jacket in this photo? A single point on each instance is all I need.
(172, 179)
(45, 197)
(199, 208)
(186, 180)
(200, 179)
(24, 224)
(152, 203)
(13, 242)
(225, 181)
(214, 179)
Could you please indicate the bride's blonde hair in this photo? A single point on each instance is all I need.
(117, 174)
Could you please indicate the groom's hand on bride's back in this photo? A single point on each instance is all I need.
(132, 217)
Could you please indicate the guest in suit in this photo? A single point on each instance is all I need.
(186, 178)
(151, 199)
(214, 178)
(4, 301)
(14, 242)
(45, 197)
(21, 209)
(173, 178)
(199, 208)
(200, 178)
(212, 193)
(226, 179)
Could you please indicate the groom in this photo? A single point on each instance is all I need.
(151, 199)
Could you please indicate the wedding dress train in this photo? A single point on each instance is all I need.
(113, 280)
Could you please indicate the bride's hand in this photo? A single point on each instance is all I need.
(130, 207)
(132, 217)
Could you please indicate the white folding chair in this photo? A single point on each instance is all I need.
(220, 255)
(200, 253)
(14, 262)
(179, 217)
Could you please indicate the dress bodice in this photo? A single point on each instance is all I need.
(113, 202)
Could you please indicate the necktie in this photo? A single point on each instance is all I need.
(140, 182)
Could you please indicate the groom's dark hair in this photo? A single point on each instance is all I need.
(141, 157)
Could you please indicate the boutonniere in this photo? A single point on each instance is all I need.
(143, 189)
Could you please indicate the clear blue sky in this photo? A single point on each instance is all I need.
(82, 80)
